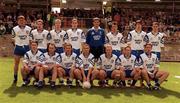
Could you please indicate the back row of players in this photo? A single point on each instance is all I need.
(68, 45)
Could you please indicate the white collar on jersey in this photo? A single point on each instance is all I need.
(94, 28)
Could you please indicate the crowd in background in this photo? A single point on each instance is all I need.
(169, 23)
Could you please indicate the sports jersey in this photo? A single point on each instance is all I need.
(157, 41)
(75, 38)
(117, 41)
(128, 63)
(21, 36)
(32, 59)
(84, 62)
(50, 61)
(67, 61)
(136, 40)
(95, 38)
(57, 37)
(108, 64)
(149, 63)
(42, 38)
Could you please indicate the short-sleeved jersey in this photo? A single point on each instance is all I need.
(136, 40)
(156, 40)
(32, 59)
(21, 36)
(68, 61)
(108, 64)
(117, 40)
(42, 38)
(75, 38)
(85, 62)
(128, 63)
(57, 37)
(95, 38)
(149, 63)
(50, 61)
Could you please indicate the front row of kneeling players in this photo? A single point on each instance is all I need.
(82, 68)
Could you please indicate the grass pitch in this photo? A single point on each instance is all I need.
(170, 92)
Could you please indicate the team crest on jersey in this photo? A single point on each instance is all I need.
(27, 31)
(112, 61)
(43, 35)
(100, 33)
(37, 57)
(92, 33)
(73, 58)
(159, 38)
(78, 33)
(131, 60)
(61, 36)
(54, 59)
(153, 59)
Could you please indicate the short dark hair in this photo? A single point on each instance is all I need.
(34, 41)
(49, 45)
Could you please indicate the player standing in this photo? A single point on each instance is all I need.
(95, 37)
(57, 36)
(115, 39)
(75, 37)
(20, 37)
(41, 35)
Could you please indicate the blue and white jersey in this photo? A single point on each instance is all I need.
(128, 63)
(75, 38)
(108, 64)
(42, 38)
(32, 59)
(136, 40)
(21, 36)
(85, 62)
(95, 38)
(51, 61)
(57, 37)
(116, 40)
(149, 62)
(157, 41)
(68, 61)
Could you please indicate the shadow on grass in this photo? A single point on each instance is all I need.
(107, 92)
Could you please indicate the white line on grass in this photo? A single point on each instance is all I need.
(176, 76)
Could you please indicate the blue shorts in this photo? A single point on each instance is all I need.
(116, 52)
(43, 50)
(49, 73)
(128, 73)
(158, 55)
(32, 71)
(59, 50)
(67, 72)
(137, 53)
(21, 50)
(86, 72)
(108, 73)
(76, 51)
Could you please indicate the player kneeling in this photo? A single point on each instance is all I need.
(86, 63)
(107, 68)
(150, 65)
(31, 63)
(49, 68)
(129, 66)
(67, 68)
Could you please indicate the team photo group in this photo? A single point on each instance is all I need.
(63, 56)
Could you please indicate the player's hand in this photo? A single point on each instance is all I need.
(84, 79)
(152, 75)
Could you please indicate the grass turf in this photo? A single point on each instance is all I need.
(170, 92)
